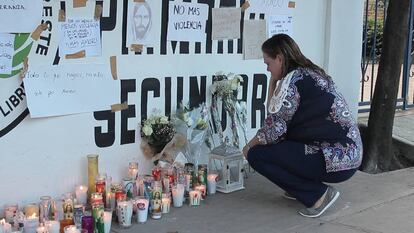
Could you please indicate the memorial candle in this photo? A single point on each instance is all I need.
(81, 194)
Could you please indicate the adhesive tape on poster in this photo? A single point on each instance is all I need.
(79, 54)
(245, 6)
(39, 29)
(112, 61)
(62, 16)
(119, 107)
(98, 12)
(79, 3)
(137, 47)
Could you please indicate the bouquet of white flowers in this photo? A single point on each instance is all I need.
(157, 131)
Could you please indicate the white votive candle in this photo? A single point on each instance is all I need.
(211, 183)
(5, 227)
(166, 203)
(195, 197)
(52, 226)
(202, 189)
(107, 221)
(81, 194)
(31, 223)
(178, 195)
(142, 206)
(41, 229)
(124, 211)
(71, 229)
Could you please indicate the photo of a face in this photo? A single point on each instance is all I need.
(141, 20)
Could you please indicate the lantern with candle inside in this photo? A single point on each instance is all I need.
(227, 160)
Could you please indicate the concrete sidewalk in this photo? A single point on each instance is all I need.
(368, 203)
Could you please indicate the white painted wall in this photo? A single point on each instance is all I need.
(48, 156)
(343, 47)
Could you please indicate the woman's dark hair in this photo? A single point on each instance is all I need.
(284, 45)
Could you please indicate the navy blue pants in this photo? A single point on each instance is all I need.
(302, 176)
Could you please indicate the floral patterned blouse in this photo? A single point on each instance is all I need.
(316, 114)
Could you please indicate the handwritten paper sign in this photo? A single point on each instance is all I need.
(6, 53)
(226, 23)
(254, 34)
(277, 24)
(187, 21)
(80, 34)
(20, 15)
(70, 89)
(269, 7)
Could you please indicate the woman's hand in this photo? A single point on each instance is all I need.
(249, 145)
(246, 149)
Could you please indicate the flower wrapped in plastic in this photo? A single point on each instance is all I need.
(224, 90)
(194, 124)
(157, 131)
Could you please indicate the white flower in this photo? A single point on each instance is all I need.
(238, 107)
(213, 88)
(164, 120)
(189, 122)
(147, 130)
(234, 84)
(240, 78)
(185, 116)
(243, 105)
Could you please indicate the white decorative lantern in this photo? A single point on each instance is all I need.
(227, 161)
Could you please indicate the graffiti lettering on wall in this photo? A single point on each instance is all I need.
(13, 109)
(151, 89)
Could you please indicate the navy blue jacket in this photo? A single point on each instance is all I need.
(317, 115)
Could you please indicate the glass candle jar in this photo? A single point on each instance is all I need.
(92, 172)
(133, 170)
(45, 208)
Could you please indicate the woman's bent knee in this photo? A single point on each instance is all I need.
(252, 156)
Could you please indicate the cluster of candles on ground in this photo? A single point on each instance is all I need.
(137, 197)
